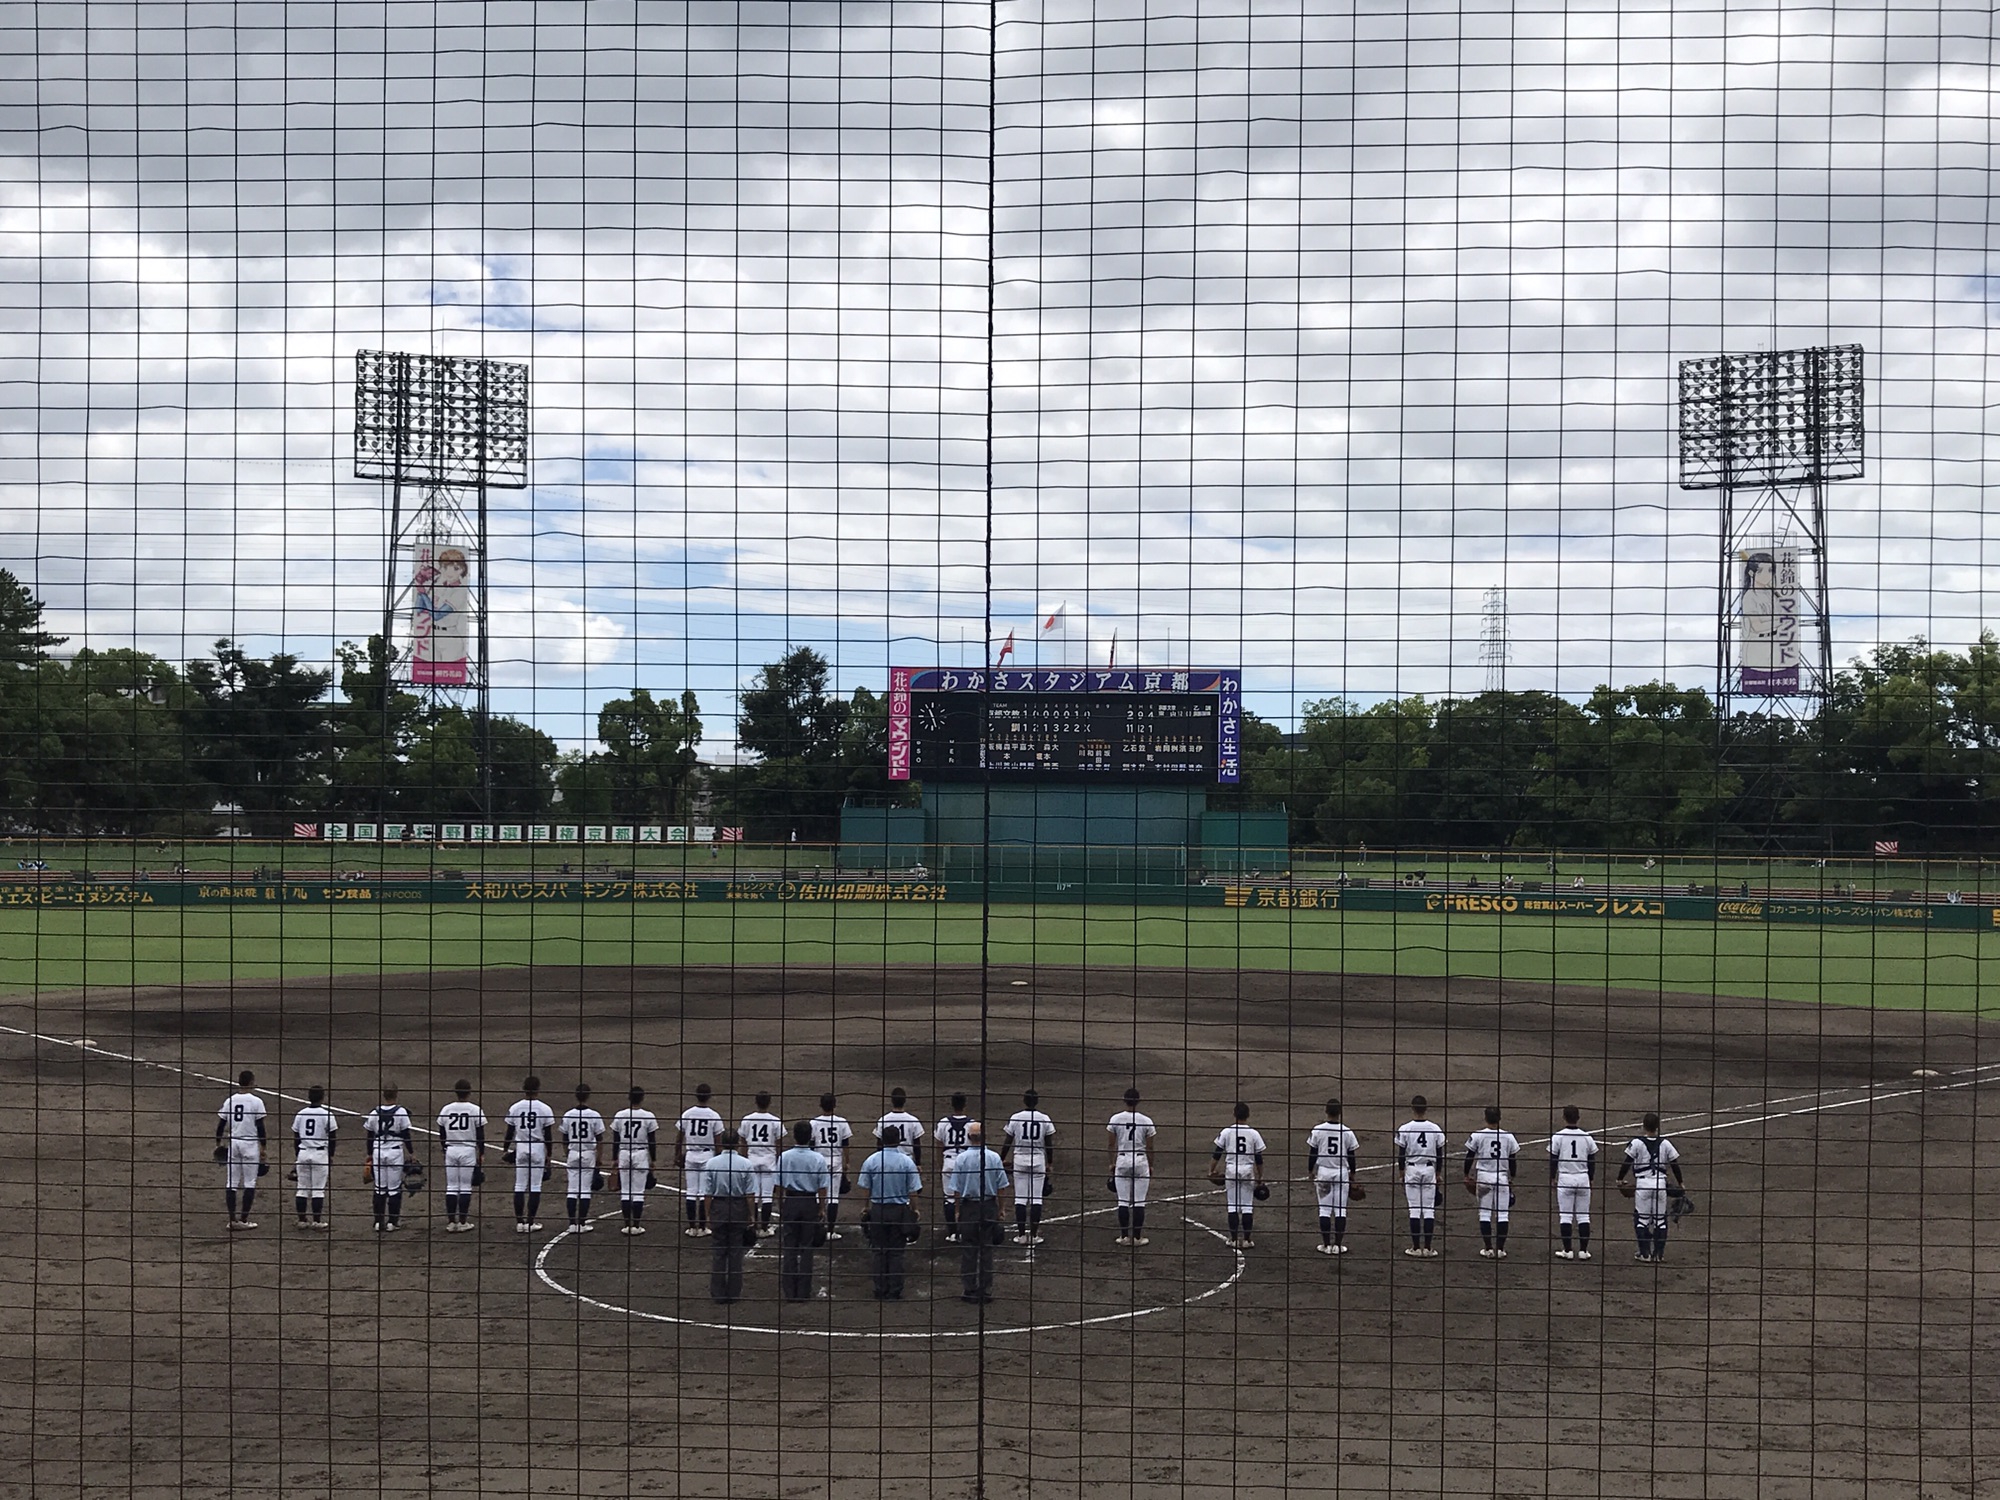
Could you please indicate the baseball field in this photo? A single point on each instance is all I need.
(1825, 1324)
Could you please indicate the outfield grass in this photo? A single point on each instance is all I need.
(1895, 968)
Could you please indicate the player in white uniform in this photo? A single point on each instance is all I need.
(1492, 1156)
(1331, 1149)
(635, 1135)
(388, 1128)
(762, 1133)
(910, 1130)
(1131, 1136)
(952, 1134)
(531, 1129)
(695, 1135)
(239, 1146)
(313, 1132)
(461, 1128)
(1031, 1143)
(1239, 1153)
(583, 1133)
(1649, 1161)
(1419, 1155)
(830, 1135)
(1572, 1168)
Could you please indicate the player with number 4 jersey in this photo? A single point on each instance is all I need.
(1420, 1156)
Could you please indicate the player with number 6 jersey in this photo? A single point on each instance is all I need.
(1131, 1136)
(1572, 1168)
(461, 1128)
(1239, 1160)
(313, 1131)
(635, 1135)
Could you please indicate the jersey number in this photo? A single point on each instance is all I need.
(308, 1127)
(1031, 1130)
(239, 1112)
(634, 1129)
(579, 1130)
(458, 1122)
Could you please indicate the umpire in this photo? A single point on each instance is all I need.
(804, 1180)
(974, 1185)
(732, 1183)
(890, 1180)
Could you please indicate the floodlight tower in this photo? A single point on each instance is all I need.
(1494, 647)
(451, 428)
(1769, 431)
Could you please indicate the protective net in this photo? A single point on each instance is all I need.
(955, 749)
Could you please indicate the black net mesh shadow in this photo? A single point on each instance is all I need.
(1308, 687)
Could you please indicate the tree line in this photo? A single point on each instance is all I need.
(120, 742)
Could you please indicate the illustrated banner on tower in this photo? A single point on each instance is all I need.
(1768, 615)
(440, 616)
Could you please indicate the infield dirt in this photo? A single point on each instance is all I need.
(1827, 1324)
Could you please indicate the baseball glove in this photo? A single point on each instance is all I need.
(597, 1181)
(1357, 1193)
(413, 1177)
(846, 1186)
(1215, 1171)
(1627, 1189)
(547, 1171)
(263, 1168)
(1472, 1187)
(293, 1175)
(652, 1179)
(479, 1177)
(1261, 1191)
(368, 1171)
(508, 1156)
(1111, 1186)
(1683, 1205)
(221, 1154)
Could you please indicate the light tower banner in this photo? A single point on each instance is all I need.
(1768, 620)
(440, 617)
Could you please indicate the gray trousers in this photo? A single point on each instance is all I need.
(978, 1227)
(889, 1240)
(798, 1224)
(729, 1218)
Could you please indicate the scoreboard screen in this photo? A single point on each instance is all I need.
(1070, 724)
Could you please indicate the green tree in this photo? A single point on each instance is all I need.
(374, 730)
(1646, 769)
(649, 753)
(22, 639)
(584, 789)
(794, 731)
(521, 766)
(260, 732)
(1365, 770)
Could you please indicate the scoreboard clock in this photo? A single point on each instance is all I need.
(1068, 724)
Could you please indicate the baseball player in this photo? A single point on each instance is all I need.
(388, 1128)
(1238, 1162)
(952, 1133)
(909, 1129)
(1419, 1156)
(530, 1141)
(635, 1134)
(1031, 1147)
(583, 1130)
(461, 1127)
(313, 1132)
(695, 1135)
(1131, 1136)
(239, 1146)
(1572, 1169)
(762, 1131)
(1492, 1156)
(1331, 1150)
(830, 1135)
(1649, 1160)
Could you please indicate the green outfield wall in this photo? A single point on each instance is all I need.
(1307, 902)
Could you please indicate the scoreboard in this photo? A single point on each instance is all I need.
(1069, 724)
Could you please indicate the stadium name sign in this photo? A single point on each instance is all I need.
(517, 833)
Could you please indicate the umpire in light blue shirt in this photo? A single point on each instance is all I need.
(890, 1180)
(975, 1183)
(731, 1183)
(804, 1180)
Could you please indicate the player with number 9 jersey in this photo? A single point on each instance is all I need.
(313, 1138)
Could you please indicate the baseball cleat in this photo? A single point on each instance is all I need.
(834, 1234)
(1565, 1255)
(1340, 1249)
(1499, 1254)
(520, 1229)
(1583, 1255)
(586, 1227)
(692, 1231)
(1140, 1239)
(1486, 1252)
(1414, 1252)
(1034, 1239)
(533, 1227)
(1642, 1255)
(1249, 1244)
(1124, 1239)
(1326, 1249)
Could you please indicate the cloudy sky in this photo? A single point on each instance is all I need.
(1309, 324)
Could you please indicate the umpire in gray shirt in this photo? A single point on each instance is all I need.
(732, 1184)
(804, 1180)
